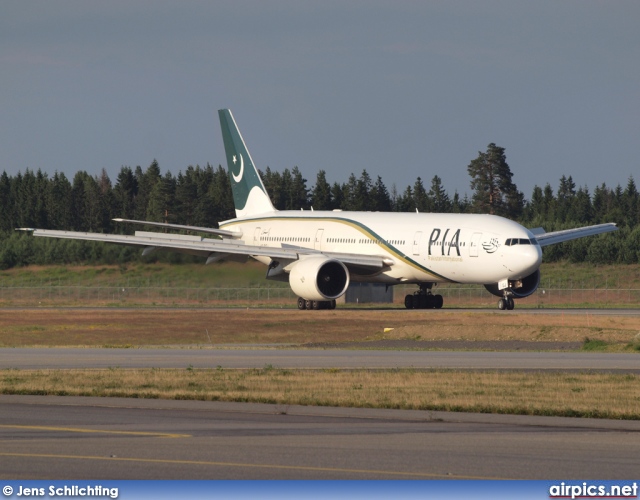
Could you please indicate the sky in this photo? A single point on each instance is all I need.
(401, 88)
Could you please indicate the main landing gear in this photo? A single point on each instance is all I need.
(423, 298)
(506, 303)
(315, 304)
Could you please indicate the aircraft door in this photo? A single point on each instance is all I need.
(256, 236)
(317, 244)
(416, 242)
(475, 243)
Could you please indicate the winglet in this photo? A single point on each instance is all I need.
(249, 194)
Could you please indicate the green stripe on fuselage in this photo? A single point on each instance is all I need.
(352, 223)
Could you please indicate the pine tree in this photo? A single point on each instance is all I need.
(321, 193)
(162, 200)
(491, 181)
(107, 201)
(298, 194)
(581, 209)
(631, 204)
(218, 203)
(274, 184)
(439, 197)
(381, 201)
(6, 206)
(204, 179)
(125, 193)
(363, 200)
(337, 196)
(420, 197)
(550, 203)
(186, 196)
(535, 208)
(350, 193)
(146, 182)
(57, 202)
(86, 207)
(566, 195)
(406, 201)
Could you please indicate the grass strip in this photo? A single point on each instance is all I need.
(594, 395)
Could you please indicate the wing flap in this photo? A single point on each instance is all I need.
(206, 230)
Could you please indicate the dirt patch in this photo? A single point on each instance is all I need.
(143, 327)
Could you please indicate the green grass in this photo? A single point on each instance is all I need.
(594, 345)
(563, 285)
(589, 395)
(224, 275)
(557, 275)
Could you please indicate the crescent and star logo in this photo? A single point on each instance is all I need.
(238, 178)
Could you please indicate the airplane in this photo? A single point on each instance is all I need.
(320, 253)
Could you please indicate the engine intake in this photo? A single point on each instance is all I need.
(519, 288)
(319, 278)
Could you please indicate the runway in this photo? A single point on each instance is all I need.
(92, 438)
(67, 358)
(45, 437)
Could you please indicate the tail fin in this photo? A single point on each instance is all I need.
(249, 194)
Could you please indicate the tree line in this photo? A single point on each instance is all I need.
(201, 196)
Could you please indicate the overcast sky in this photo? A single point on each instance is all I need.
(399, 88)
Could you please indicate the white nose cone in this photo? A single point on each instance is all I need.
(526, 260)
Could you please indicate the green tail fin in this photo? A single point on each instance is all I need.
(249, 194)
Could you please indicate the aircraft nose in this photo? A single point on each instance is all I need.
(529, 258)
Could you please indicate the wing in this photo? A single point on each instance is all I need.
(571, 234)
(216, 249)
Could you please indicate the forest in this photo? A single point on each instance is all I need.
(201, 196)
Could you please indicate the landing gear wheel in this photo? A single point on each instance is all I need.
(302, 304)
(332, 304)
(430, 302)
(308, 304)
(510, 303)
(316, 304)
(502, 304)
(438, 301)
(408, 301)
(423, 302)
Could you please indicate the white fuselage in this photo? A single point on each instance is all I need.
(459, 248)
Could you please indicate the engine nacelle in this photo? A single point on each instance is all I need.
(319, 278)
(519, 288)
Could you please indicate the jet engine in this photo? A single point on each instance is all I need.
(319, 278)
(519, 288)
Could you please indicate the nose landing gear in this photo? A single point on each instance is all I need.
(506, 303)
